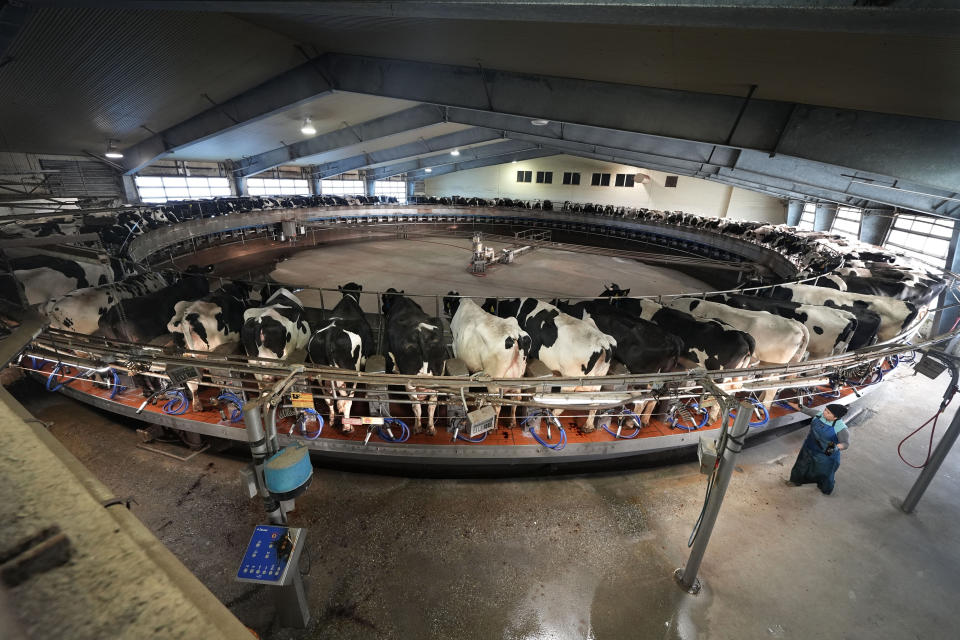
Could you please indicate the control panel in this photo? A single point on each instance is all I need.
(270, 554)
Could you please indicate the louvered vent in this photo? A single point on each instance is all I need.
(77, 178)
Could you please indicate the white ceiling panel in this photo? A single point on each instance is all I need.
(384, 143)
(328, 112)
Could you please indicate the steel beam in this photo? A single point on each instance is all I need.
(697, 159)
(428, 145)
(496, 150)
(919, 17)
(807, 193)
(922, 150)
(302, 83)
(414, 118)
(777, 188)
(521, 128)
(531, 154)
(629, 157)
(846, 191)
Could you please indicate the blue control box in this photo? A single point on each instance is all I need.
(261, 562)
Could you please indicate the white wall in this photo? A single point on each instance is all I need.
(691, 195)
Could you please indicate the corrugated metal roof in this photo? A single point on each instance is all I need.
(80, 76)
(889, 73)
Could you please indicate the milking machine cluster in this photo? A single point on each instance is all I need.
(463, 424)
(535, 416)
(380, 422)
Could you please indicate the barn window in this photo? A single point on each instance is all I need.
(342, 187)
(524, 176)
(808, 216)
(392, 189)
(600, 180)
(671, 181)
(544, 177)
(924, 238)
(571, 178)
(624, 180)
(277, 187)
(163, 188)
(847, 222)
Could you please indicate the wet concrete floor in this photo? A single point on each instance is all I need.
(437, 265)
(581, 556)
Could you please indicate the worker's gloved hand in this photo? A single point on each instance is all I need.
(830, 449)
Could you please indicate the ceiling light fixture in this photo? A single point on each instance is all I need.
(455, 152)
(308, 129)
(513, 162)
(539, 122)
(112, 151)
(428, 170)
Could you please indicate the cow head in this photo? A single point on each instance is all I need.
(451, 302)
(390, 298)
(490, 305)
(351, 289)
(613, 290)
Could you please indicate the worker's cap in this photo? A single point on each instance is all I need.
(838, 410)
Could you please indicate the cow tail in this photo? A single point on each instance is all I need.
(804, 344)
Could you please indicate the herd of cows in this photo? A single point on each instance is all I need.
(870, 298)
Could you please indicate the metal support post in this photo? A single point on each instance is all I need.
(257, 437)
(687, 576)
(933, 465)
(825, 214)
(291, 602)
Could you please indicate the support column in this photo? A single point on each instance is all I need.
(939, 454)
(944, 319)
(794, 212)
(130, 193)
(824, 217)
(875, 224)
(238, 184)
(687, 576)
(369, 184)
(315, 187)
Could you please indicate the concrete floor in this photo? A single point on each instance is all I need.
(575, 556)
(439, 265)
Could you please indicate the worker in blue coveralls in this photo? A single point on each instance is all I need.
(819, 456)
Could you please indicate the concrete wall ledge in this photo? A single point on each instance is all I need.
(120, 581)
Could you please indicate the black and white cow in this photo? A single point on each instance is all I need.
(918, 292)
(277, 329)
(142, 318)
(710, 344)
(642, 346)
(415, 341)
(777, 340)
(345, 341)
(211, 323)
(215, 319)
(45, 277)
(485, 342)
(830, 330)
(81, 310)
(567, 345)
(895, 315)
